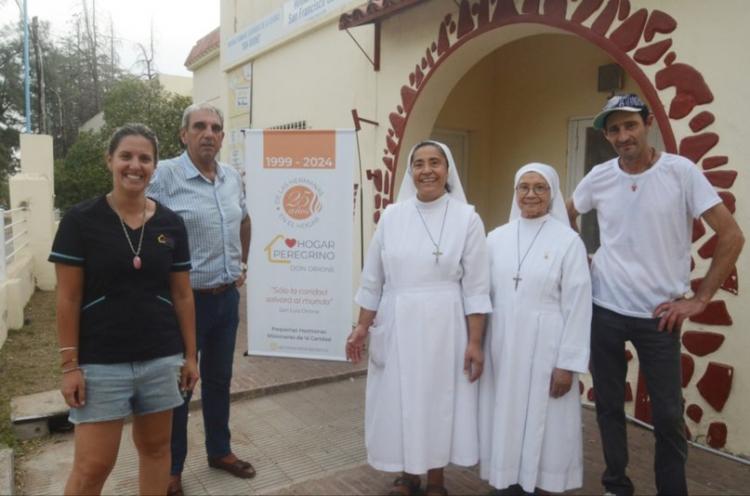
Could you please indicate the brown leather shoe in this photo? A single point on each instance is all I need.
(175, 486)
(238, 468)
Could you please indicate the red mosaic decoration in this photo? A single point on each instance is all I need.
(729, 200)
(707, 250)
(717, 435)
(716, 384)
(715, 314)
(701, 121)
(634, 40)
(694, 413)
(698, 229)
(688, 367)
(628, 392)
(713, 162)
(702, 343)
(729, 285)
(721, 179)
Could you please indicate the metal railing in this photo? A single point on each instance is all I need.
(14, 236)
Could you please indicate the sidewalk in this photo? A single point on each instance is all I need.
(300, 422)
(311, 441)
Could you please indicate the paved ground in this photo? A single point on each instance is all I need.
(301, 424)
(255, 376)
(310, 441)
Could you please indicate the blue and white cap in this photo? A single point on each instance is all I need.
(619, 103)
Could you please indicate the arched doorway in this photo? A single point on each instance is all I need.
(514, 106)
(636, 41)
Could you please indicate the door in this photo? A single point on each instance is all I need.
(458, 142)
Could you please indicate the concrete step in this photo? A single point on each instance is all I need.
(31, 414)
(36, 415)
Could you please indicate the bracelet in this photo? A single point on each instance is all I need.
(67, 348)
(68, 361)
(71, 369)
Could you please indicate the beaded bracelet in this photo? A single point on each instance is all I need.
(67, 348)
(72, 369)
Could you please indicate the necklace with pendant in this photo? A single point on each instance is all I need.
(437, 251)
(137, 263)
(520, 260)
(634, 181)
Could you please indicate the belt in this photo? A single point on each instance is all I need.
(214, 291)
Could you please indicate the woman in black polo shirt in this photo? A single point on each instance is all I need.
(125, 319)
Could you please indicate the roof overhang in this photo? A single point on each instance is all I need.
(205, 49)
(374, 11)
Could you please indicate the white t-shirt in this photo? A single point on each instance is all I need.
(645, 229)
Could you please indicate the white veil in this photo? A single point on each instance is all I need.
(557, 206)
(408, 190)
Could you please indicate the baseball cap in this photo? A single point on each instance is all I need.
(619, 103)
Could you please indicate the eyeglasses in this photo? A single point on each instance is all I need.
(538, 189)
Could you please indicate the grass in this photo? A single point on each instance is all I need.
(29, 362)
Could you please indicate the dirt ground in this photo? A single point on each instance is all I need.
(28, 361)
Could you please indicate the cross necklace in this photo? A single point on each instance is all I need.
(437, 251)
(520, 260)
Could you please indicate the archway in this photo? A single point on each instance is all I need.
(638, 41)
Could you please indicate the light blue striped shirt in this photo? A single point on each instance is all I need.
(212, 212)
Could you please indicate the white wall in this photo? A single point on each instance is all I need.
(320, 75)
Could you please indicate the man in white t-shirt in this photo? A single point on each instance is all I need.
(646, 202)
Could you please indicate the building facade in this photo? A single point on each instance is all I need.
(506, 82)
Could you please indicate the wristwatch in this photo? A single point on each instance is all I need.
(243, 266)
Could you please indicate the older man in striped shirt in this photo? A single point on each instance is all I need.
(209, 196)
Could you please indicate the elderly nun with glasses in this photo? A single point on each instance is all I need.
(536, 344)
(423, 299)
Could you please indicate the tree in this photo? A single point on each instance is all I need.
(11, 105)
(76, 77)
(83, 173)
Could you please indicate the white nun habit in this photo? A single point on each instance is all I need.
(420, 409)
(541, 320)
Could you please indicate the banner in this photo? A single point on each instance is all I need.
(299, 195)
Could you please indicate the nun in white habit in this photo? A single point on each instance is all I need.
(536, 344)
(424, 292)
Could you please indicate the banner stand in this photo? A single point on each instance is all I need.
(299, 187)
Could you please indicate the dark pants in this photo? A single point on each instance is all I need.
(216, 320)
(659, 359)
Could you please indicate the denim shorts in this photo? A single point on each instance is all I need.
(114, 391)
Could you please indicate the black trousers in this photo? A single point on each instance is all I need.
(659, 358)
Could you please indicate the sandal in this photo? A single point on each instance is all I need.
(175, 487)
(435, 490)
(238, 468)
(405, 485)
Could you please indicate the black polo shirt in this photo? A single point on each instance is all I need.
(126, 314)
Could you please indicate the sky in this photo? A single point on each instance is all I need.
(178, 24)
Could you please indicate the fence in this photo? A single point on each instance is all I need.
(14, 236)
